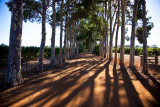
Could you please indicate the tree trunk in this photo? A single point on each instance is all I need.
(110, 44)
(105, 30)
(66, 30)
(145, 65)
(61, 32)
(132, 44)
(41, 51)
(116, 39)
(107, 33)
(14, 74)
(53, 35)
(73, 43)
(68, 47)
(77, 44)
(123, 5)
(70, 50)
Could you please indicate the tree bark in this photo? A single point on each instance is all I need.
(66, 32)
(107, 33)
(123, 5)
(110, 44)
(116, 39)
(70, 49)
(73, 39)
(61, 32)
(14, 74)
(145, 65)
(132, 44)
(42, 46)
(53, 34)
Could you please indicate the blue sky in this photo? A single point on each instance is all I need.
(31, 35)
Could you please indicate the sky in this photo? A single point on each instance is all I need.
(31, 33)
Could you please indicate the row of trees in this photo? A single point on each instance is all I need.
(85, 22)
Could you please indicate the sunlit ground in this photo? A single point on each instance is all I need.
(87, 81)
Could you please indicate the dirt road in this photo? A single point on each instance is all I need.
(86, 81)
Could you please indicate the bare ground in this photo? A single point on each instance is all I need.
(86, 81)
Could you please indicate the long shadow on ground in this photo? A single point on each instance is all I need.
(153, 89)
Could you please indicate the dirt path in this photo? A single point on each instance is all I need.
(86, 81)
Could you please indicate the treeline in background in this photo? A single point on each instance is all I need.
(28, 53)
(138, 50)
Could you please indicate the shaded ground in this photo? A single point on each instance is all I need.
(86, 81)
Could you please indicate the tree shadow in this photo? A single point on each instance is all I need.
(152, 89)
(153, 80)
(107, 85)
(66, 85)
(131, 92)
(116, 86)
(60, 86)
(154, 67)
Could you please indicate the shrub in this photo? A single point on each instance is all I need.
(127, 50)
(96, 50)
(138, 51)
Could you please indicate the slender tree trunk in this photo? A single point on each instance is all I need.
(41, 51)
(116, 39)
(123, 5)
(102, 46)
(70, 50)
(110, 44)
(66, 28)
(77, 44)
(73, 44)
(14, 74)
(107, 32)
(132, 44)
(61, 32)
(53, 35)
(145, 65)
(105, 11)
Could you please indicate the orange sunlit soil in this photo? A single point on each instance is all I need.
(85, 81)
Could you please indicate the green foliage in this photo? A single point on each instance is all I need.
(3, 52)
(96, 50)
(153, 51)
(127, 50)
(32, 10)
(47, 52)
(80, 48)
(139, 51)
(139, 29)
(139, 32)
(28, 53)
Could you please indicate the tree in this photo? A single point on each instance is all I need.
(14, 75)
(110, 17)
(123, 6)
(145, 66)
(36, 10)
(132, 44)
(107, 47)
(42, 46)
(61, 32)
(53, 34)
(116, 38)
(66, 31)
(112, 30)
(139, 29)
